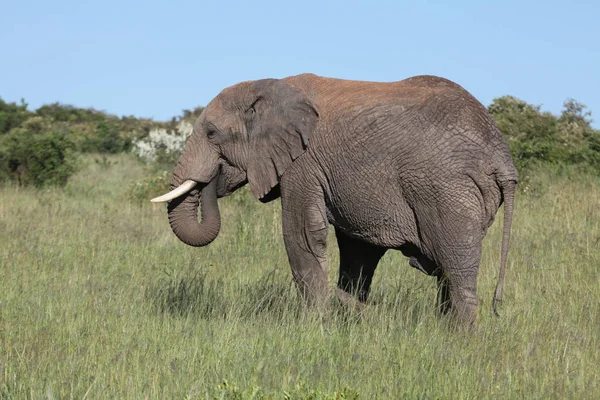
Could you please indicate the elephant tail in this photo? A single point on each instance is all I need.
(508, 193)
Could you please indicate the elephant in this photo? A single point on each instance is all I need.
(416, 165)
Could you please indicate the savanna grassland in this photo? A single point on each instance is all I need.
(98, 299)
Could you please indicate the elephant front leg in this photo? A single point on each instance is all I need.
(358, 261)
(305, 237)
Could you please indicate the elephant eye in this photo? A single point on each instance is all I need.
(211, 134)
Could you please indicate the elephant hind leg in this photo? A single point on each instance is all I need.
(450, 232)
(457, 285)
(458, 254)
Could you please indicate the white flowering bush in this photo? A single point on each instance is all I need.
(162, 146)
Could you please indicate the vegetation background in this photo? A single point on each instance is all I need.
(98, 299)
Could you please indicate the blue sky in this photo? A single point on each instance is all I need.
(155, 58)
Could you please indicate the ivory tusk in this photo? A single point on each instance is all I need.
(178, 191)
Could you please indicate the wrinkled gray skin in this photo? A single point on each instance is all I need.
(416, 165)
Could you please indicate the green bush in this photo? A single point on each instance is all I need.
(33, 158)
(536, 137)
(94, 131)
(12, 115)
(58, 112)
(106, 138)
(591, 154)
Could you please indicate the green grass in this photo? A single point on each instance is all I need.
(98, 299)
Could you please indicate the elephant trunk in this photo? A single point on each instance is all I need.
(183, 214)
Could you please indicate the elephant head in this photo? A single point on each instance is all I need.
(250, 133)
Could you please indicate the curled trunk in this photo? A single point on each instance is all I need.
(183, 214)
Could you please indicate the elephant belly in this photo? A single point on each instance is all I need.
(382, 219)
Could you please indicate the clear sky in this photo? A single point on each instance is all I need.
(155, 58)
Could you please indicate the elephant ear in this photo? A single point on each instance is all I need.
(280, 129)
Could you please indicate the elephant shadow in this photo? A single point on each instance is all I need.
(199, 296)
(273, 297)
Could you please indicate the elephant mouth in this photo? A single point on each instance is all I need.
(229, 180)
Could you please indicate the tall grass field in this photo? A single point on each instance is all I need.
(98, 299)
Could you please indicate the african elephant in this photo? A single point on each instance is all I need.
(416, 165)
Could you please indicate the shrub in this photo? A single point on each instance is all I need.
(93, 130)
(591, 154)
(33, 158)
(58, 112)
(12, 115)
(150, 187)
(530, 133)
(539, 137)
(162, 146)
(191, 115)
(105, 138)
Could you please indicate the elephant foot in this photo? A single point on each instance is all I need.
(460, 306)
(464, 313)
(314, 300)
(349, 301)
